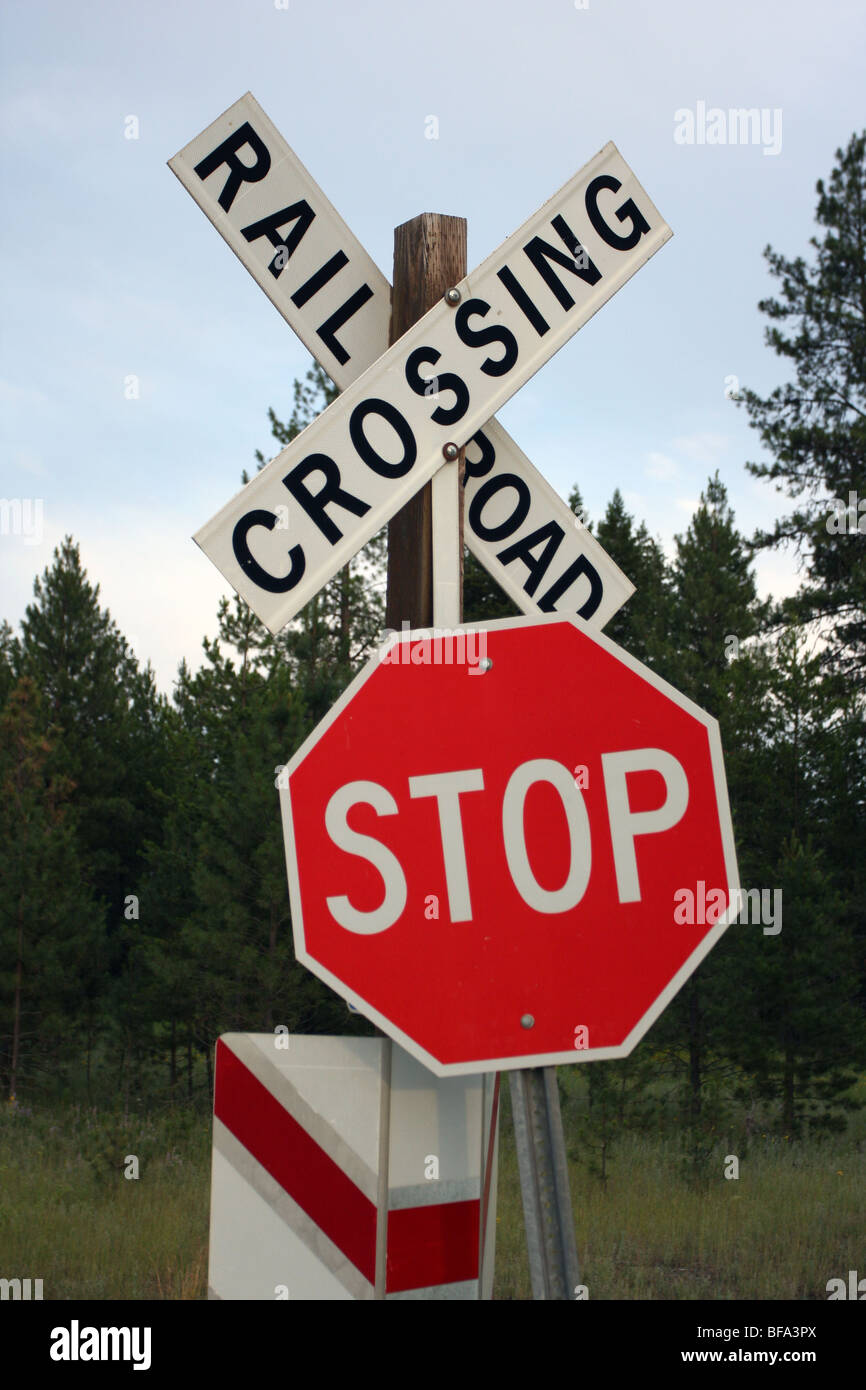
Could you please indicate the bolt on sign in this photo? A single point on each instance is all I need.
(497, 888)
(313, 507)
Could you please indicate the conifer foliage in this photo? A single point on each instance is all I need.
(814, 426)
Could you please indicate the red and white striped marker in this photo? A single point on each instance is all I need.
(314, 1198)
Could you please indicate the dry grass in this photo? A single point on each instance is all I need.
(793, 1219)
(655, 1230)
(69, 1216)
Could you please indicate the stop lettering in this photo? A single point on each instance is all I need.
(485, 837)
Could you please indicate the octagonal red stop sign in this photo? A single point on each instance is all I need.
(489, 839)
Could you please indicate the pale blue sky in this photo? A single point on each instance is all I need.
(109, 268)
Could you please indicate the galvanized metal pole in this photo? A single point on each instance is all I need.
(543, 1165)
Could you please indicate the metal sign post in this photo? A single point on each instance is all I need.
(543, 1165)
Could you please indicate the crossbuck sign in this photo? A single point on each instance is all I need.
(316, 504)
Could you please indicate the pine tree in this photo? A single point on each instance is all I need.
(642, 625)
(714, 608)
(797, 1019)
(7, 649)
(483, 599)
(801, 1031)
(107, 716)
(51, 929)
(815, 425)
(218, 953)
(802, 726)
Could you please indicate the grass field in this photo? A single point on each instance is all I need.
(660, 1226)
(655, 1230)
(70, 1217)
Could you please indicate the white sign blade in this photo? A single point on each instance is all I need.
(316, 504)
(530, 540)
(262, 200)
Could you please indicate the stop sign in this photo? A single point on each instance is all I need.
(488, 836)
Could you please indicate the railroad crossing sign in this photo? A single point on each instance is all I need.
(313, 507)
(496, 889)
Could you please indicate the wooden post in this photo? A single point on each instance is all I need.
(429, 257)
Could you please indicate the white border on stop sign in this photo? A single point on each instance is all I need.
(364, 337)
(378, 484)
(675, 984)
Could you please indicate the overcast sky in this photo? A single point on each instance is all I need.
(110, 270)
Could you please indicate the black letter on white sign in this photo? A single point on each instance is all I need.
(320, 278)
(578, 262)
(480, 337)
(251, 567)
(639, 224)
(386, 411)
(487, 459)
(547, 603)
(314, 503)
(483, 496)
(552, 534)
(445, 381)
(300, 213)
(239, 173)
(522, 300)
(340, 316)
